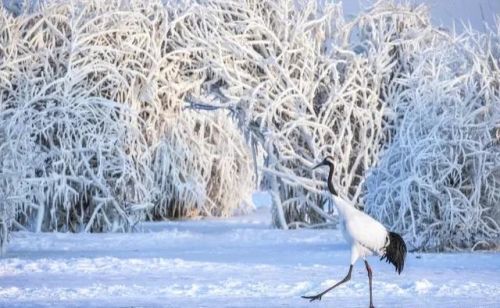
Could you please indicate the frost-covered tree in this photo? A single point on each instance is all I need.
(202, 167)
(279, 65)
(79, 159)
(91, 96)
(439, 180)
(319, 85)
(117, 111)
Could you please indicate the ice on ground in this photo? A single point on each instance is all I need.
(238, 262)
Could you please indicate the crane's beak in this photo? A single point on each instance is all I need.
(318, 165)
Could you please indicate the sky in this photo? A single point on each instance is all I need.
(446, 12)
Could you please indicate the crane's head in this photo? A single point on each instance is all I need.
(328, 161)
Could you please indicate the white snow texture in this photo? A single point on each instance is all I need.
(238, 262)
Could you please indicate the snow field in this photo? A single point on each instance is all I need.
(240, 262)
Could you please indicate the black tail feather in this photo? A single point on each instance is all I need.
(395, 252)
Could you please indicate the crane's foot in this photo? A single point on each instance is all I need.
(313, 298)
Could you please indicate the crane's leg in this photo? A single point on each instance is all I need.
(319, 295)
(369, 270)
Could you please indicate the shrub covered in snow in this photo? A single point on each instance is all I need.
(113, 112)
(439, 180)
(202, 167)
(296, 94)
(76, 152)
(93, 132)
(306, 84)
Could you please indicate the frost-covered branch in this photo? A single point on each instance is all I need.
(112, 112)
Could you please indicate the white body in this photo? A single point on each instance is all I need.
(365, 235)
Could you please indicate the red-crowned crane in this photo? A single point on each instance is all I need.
(365, 235)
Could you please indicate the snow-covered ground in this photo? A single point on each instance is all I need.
(238, 262)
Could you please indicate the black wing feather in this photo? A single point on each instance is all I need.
(395, 252)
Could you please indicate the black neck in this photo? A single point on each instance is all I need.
(330, 181)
